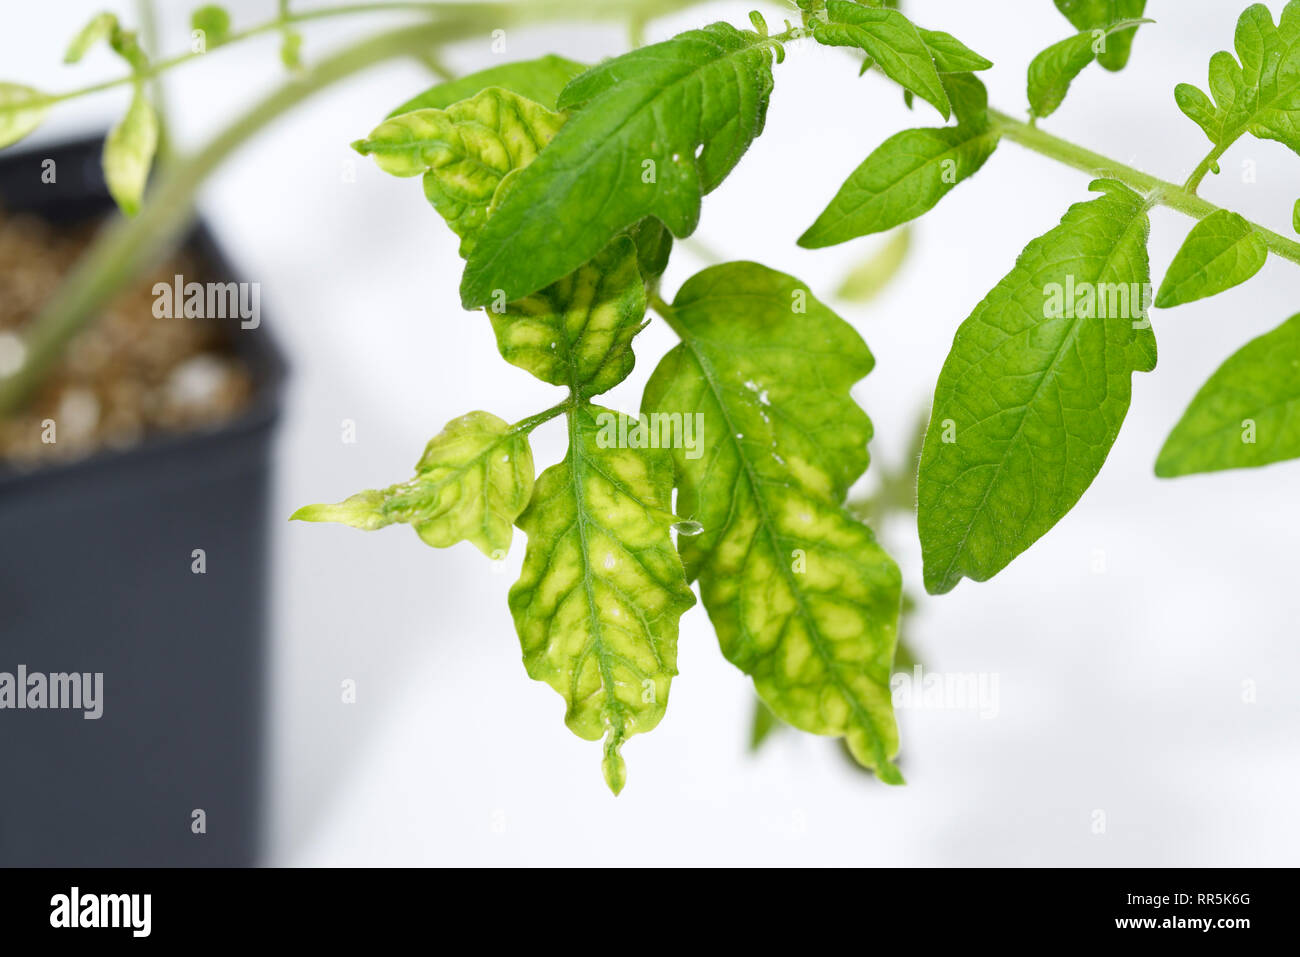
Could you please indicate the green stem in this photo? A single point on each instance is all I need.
(1160, 191)
(124, 249)
(491, 15)
(119, 254)
(668, 314)
(149, 40)
(533, 421)
(1204, 167)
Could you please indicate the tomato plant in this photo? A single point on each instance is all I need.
(567, 184)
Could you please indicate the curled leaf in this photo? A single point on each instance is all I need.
(464, 152)
(473, 481)
(102, 26)
(21, 110)
(129, 152)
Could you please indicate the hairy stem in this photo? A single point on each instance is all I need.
(1164, 193)
(1203, 167)
(668, 314)
(533, 421)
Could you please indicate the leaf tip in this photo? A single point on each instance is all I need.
(360, 511)
(809, 239)
(612, 766)
(1167, 464)
(310, 513)
(888, 773)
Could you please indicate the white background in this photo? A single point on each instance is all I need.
(1119, 690)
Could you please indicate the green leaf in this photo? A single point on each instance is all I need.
(578, 331)
(1260, 94)
(909, 173)
(1053, 70)
(1295, 216)
(1221, 251)
(950, 55)
(291, 50)
(21, 110)
(893, 42)
(761, 725)
(1035, 389)
(877, 271)
(656, 129)
(802, 597)
(1098, 15)
(602, 588)
(214, 21)
(126, 44)
(654, 245)
(473, 481)
(1246, 415)
(102, 26)
(464, 152)
(129, 152)
(539, 80)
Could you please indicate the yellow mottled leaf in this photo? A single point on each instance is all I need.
(463, 151)
(802, 597)
(21, 110)
(473, 480)
(602, 588)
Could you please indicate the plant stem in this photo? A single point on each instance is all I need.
(1203, 167)
(668, 314)
(488, 15)
(149, 40)
(125, 248)
(533, 421)
(117, 255)
(1164, 193)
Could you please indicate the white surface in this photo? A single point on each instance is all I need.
(1119, 691)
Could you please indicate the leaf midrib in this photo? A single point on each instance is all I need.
(573, 173)
(833, 666)
(1069, 338)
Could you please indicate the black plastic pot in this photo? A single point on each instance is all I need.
(96, 576)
